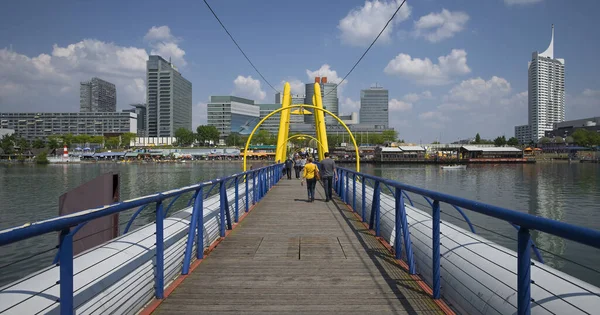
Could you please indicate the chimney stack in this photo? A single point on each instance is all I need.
(324, 80)
(317, 80)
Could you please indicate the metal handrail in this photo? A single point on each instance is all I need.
(522, 221)
(263, 179)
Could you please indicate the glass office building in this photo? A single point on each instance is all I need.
(232, 114)
(374, 108)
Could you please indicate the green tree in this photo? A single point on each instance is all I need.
(544, 140)
(581, 137)
(512, 141)
(435, 142)
(262, 137)
(97, 139)
(477, 138)
(67, 139)
(390, 135)
(207, 133)
(23, 144)
(558, 139)
(127, 137)
(38, 144)
(184, 137)
(500, 141)
(111, 142)
(42, 158)
(235, 139)
(53, 142)
(7, 143)
(569, 140)
(376, 138)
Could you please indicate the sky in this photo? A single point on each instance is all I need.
(452, 68)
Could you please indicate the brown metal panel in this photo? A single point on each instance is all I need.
(100, 191)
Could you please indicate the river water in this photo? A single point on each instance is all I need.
(559, 191)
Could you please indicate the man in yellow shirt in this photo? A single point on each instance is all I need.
(310, 173)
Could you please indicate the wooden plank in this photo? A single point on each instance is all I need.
(289, 256)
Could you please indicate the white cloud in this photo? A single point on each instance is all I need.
(349, 106)
(296, 86)
(52, 79)
(249, 88)
(400, 106)
(361, 25)
(164, 44)
(199, 115)
(479, 91)
(414, 97)
(521, 2)
(324, 71)
(584, 104)
(433, 115)
(160, 33)
(435, 27)
(424, 71)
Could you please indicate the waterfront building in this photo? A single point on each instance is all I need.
(567, 128)
(97, 95)
(350, 119)
(329, 97)
(169, 98)
(33, 126)
(374, 107)
(272, 124)
(140, 110)
(232, 114)
(523, 133)
(546, 100)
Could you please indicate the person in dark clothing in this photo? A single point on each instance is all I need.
(328, 173)
(289, 164)
(297, 167)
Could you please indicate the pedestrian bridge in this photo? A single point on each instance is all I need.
(264, 249)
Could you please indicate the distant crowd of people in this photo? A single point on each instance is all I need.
(304, 166)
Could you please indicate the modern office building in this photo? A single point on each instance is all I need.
(232, 114)
(546, 100)
(374, 107)
(329, 97)
(523, 134)
(96, 96)
(272, 123)
(41, 125)
(140, 110)
(567, 128)
(169, 99)
(278, 98)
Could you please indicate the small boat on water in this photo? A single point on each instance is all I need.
(454, 167)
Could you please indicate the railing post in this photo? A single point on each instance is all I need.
(199, 204)
(406, 234)
(247, 202)
(342, 188)
(523, 272)
(187, 256)
(346, 199)
(254, 188)
(364, 200)
(222, 195)
(65, 253)
(354, 192)
(159, 274)
(436, 248)
(375, 209)
(398, 224)
(237, 202)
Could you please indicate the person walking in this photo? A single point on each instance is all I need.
(302, 164)
(289, 164)
(328, 170)
(311, 173)
(297, 166)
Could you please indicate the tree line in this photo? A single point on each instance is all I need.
(11, 144)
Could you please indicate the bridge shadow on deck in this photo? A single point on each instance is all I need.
(289, 256)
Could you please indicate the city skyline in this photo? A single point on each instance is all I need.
(442, 64)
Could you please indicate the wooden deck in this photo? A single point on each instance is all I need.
(289, 256)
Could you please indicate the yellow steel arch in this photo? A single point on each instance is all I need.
(302, 135)
(299, 106)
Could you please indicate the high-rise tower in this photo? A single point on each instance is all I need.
(546, 99)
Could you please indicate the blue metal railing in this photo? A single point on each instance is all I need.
(262, 179)
(524, 223)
